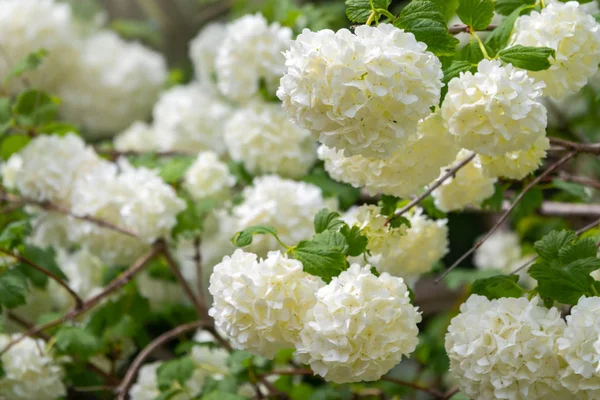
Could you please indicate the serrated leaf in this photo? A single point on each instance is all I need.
(573, 188)
(319, 259)
(357, 242)
(497, 287)
(549, 246)
(72, 340)
(14, 234)
(576, 250)
(499, 37)
(447, 7)
(177, 370)
(327, 220)
(333, 240)
(399, 221)
(506, 7)
(13, 289)
(476, 13)
(244, 238)
(13, 144)
(428, 205)
(455, 68)
(470, 52)
(529, 58)
(360, 10)
(31, 62)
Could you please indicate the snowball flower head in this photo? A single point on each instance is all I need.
(139, 137)
(203, 51)
(501, 251)
(573, 33)
(495, 110)
(249, 54)
(409, 168)
(116, 83)
(146, 385)
(506, 349)
(190, 119)
(46, 169)
(30, 372)
(580, 347)
(516, 164)
(469, 186)
(208, 177)
(260, 304)
(85, 273)
(363, 92)
(26, 26)
(374, 225)
(262, 137)
(360, 327)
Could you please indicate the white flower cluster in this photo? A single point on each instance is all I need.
(250, 54)
(363, 93)
(496, 110)
(516, 164)
(115, 83)
(574, 34)
(469, 186)
(208, 177)
(408, 169)
(139, 137)
(27, 26)
(30, 371)
(262, 137)
(506, 349)
(84, 272)
(203, 50)
(260, 304)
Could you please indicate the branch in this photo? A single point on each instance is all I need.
(593, 148)
(51, 275)
(123, 388)
(554, 208)
(199, 272)
(460, 28)
(450, 172)
(115, 154)
(582, 180)
(508, 211)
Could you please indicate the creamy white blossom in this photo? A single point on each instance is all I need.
(506, 349)
(516, 164)
(208, 177)
(468, 187)
(409, 168)
(30, 371)
(146, 385)
(574, 34)
(500, 251)
(84, 272)
(49, 229)
(27, 26)
(140, 137)
(190, 119)
(580, 347)
(261, 136)
(115, 83)
(363, 93)
(203, 50)
(495, 110)
(251, 53)
(360, 327)
(260, 304)
(374, 225)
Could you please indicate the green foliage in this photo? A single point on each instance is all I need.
(506, 7)
(463, 276)
(327, 220)
(173, 169)
(455, 68)
(244, 238)
(30, 63)
(549, 246)
(575, 189)
(428, 205)
(531, 201)
(357, 242)
(425, 20)
(359, 10)
(499, 37)
(494, 203)
(176, 370)
(34, 108)
(477, 14)
(147, 31)
(5, 115)
(13, 144)
(529, 58)
(44, 258)
(13, 288)
(498, 286)
(77, 341)
(319, 258)
(14, 234)
(190, 221)
(346, 194)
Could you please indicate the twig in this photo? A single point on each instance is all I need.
(507, 212)
(450, 172)
(582, 180)
(450, 393)
(459, 28)
(114, 154)
(593, 148)
(554, 208)
(199, 272)
(123, 388)
(51, 275)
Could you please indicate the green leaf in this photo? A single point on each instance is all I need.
(239, 361)
(573, 188)
(190, 221)
(13, 289)
(506, 7)
(463, 276)
(399, 221)
(171, 394)
(173, 170)
(14, 234)
(78, 341)
(237, 169)
(447, 7)
(333, 240)
(577, 250)
(499, 37)
(359, 10)
(494, 203)
(388, 205)
(5, 115)
(36, 107)
(470, 52)
(244, 238)
(31, 62)
(531, 201)
(44, 258)
(425, 20)
(476, 13)
(498, 286)
(218, 395)
(13, 144)
(327, 220)
(177, 370)
(549, 246)
(428, 204)
(346, 194)
(357, 242)
(59, 128)
(455, 68)
(319, 259)
(529, 58)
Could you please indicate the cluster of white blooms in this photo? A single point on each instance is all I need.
(203, 50)
(27, 26)
(409, 168)
(190, 119)
(260, 304)
(139, 136)
(286, 205)
(208, 177)
(262, 137)
(84, 272)
(250, 54)
(29, 371)
(574, 34)
(496, 110)
(506, 349)
(468, 187)
(374, 225)
(115, 83)
(501, 251)
(146, 385)
(360, 327)
(580, 347)
(363, 92)
(516, 164)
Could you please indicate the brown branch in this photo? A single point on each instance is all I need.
(115, 154)
(450, 393)
(123, 388)
(460, 28)
(554, 208)
(582, 180)
(593, 148)
(505, 215)
(51, 275)
(199, 272)
(450, 172)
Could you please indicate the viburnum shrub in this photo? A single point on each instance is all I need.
(323, 200)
